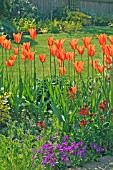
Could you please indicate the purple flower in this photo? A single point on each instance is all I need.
(39, 137)
(21, 141)
(68, 164)
(34, 157)
(18, 12)
(53, 163)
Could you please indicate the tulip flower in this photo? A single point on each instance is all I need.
(105, 49)
(32, 32)
(73, 44)
(16, 50)
(50, 41)
(42, 57)
(78, 66)
(13, 58)
(80, 50)
(6, 44)
(94, 64)
(111, 50)
(31, 56)
(25, 52)
(9, 63)
(72, 92)
(101, 69)
(60, 63)
(59, 43)
(61, 54)
(111, 39)
(2, 37)
(17, 37)
(62, 70)
(86, 41)
(26, 46)
(69, 56)
(53, 50)
(102, 39)
(108, 59)
(91, 50)
(23, 57)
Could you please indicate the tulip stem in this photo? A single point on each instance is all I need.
(55, 66)
(50, 64)
(43, 71)
(34, 70)
(2, 67)
(74, 69)
(6, 66)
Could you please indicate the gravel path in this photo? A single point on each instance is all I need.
(104, 163)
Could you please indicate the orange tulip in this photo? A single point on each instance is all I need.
(17, 37)
(108, 59)
(86, 41)
(25, 52)
(9, 63)
(23, 57)
(60, 63)
(102, 39)
(53, 50)
(70, 56)
(31, 56)
(94, 64)
(91, 50)
(80, 50)
(73, 44)
(62, 70)
(111, 39)
(101, 69)
(82, 122)
(6, 44)
(61, 54)
(111, 50)
(13, 58)
(26, 46)
(16, 50)
(50, 41)
(72, 92)
(2, 37)
(32, 32)
(41, 124)
(42, 57)
(105, 49)
(78, 66)
(59, 43)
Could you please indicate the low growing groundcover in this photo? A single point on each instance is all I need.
(56, 99)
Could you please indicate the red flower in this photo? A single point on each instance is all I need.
(82, 122)
(26, 46)
(105, 49)
(80, 50)
(102, 39)
(13, 58)
(53, 50)
(86, 41)
(111, 50)
(17, 37)
(50, 41)
(60, 63)
(111, 39)
(31, 56)
(32, 32)
(83, 111)
(9, 63)
(61, 54)
(91, 50)
(6, 44)
(70, 56)
(41, 124)
(108, 59)
(103, 105)
(62, 70)
(94, 64)
(59, 43)
(72, 91)
(2, 38)
(102, 118)
(16, 50)
(23, 57)
(42, 57)
(78, 66)
(101, 69)
(73, 44)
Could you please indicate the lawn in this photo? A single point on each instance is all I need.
(41, 47)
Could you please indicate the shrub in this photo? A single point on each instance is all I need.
(23, 24)
(71, 26)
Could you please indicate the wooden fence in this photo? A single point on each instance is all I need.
(97, 6)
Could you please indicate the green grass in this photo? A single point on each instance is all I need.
(41, 47)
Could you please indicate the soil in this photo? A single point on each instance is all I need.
(104, 163)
